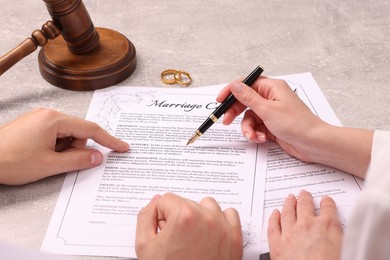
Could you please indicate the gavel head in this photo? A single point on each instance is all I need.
(85, 57)
(77, 29)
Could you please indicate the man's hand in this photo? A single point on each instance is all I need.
(45, 142)
(172, 227)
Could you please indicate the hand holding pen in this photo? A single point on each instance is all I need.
(225, 105)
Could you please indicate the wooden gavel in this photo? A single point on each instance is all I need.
(82, 57)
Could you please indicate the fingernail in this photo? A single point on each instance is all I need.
(223, 119)
(156, 197)
(96, 158)
(261, 137)
(247, 136)
(236, 87)
(303, 191)
(126, 146)
(290, 196)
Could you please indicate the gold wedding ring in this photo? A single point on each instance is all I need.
(171, 76)
(184, 81)
(168, 76)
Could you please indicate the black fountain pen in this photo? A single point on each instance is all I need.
(225, 105)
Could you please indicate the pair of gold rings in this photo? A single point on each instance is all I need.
(172, 76)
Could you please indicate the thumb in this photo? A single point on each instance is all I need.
(75, 159)
(247, 96)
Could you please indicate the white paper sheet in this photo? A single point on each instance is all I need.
(96, 210)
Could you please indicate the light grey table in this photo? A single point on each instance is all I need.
(344, 44)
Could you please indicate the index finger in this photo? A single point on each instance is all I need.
(80, 128)
(235, 110)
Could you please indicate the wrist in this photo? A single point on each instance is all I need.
(347, 149)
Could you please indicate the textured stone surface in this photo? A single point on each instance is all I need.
(344, 44)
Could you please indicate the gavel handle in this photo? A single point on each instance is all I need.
(29, 45)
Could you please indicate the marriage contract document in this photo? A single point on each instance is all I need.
(97, 208)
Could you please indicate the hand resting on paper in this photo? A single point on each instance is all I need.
(297, 233)
(171, 227)
(45, 142)
(275, 112)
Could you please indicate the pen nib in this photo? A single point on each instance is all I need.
(193, 138)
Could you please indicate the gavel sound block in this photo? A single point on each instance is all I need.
(82, 57)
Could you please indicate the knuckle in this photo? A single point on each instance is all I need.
(169, 196)
(281, 82)
(46, 112)
(272, 230)
(286, 212)
(94, 127)
(37, 109)
(328, 221)
(305, 224)
(231, 211)
(289, 237)
(187, 217)
(208, 199)
(249, 97)
(211, 222)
